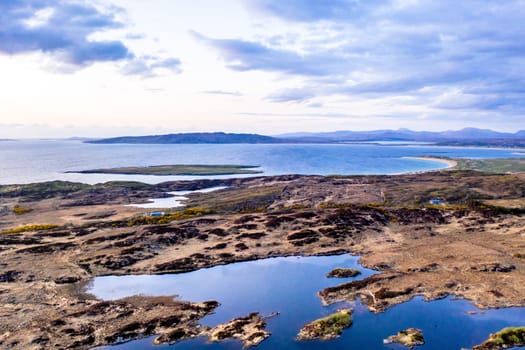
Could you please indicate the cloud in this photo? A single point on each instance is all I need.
(291, 95)
(243, 55)
(223, 92)
(64, 29)
(149, 66)
(422, 49)
(59, 27)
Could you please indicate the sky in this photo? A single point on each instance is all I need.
(132, 67)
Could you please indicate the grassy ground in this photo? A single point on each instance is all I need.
(504, 339)
(328, 327)
(178, 169)
(510, 165)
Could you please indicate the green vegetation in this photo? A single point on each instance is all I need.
(500, 166)
(242, 200)
(329, 327)
(410, 337)
(494, 166)
(43, 190)
(18, 210)
(506, 338)
(28, 228)
(129, 185)
(178, 169)
(341, 272)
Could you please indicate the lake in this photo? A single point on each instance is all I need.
(27, 161)
(289, 286)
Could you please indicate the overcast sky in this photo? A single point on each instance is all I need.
(114, 67)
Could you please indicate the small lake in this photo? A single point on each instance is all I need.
(177, 199)
(289, 285)
(27, 161)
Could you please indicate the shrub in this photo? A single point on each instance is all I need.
(27, 228)
(18, 210)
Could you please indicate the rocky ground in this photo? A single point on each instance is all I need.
(410, 337)
(466, 246)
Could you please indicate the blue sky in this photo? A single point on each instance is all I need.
(100, 68)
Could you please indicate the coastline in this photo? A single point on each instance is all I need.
(449, 162)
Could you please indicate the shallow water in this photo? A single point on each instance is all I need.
(173, 202)
(40, 160)
(289, 286)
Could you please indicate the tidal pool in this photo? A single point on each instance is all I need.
(289, 286)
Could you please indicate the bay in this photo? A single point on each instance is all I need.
(27, 161)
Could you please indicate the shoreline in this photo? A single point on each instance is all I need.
(449, 162)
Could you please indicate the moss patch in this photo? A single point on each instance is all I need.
(18, 210)
(506, 338)
(27, 228)
(326, 328)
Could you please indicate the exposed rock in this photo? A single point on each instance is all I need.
(67, 279)
(9, 276)
(178, 334)
(342, 272)
(128, 318)
(410, 337)
(496, 267)
(250, 330)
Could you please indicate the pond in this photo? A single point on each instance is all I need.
(289, 285)
(177, 199)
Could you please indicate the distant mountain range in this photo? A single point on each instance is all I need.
(467, 136)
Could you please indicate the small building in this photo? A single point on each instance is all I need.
(157, 213)
(436, 201)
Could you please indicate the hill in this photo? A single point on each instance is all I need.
(466, 134)
(203, 137)
(464, 137)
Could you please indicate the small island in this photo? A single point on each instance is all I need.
(327, 328)
(249, 329)
(506, 338)
(177, 169)
(410, 337)
(342, 272)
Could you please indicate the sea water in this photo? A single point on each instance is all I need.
(27, 161)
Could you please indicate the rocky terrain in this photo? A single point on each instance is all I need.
(506, 338)
(410, 337)
(326, 328)
(63, 234)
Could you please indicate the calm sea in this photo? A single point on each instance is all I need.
(44, 160)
